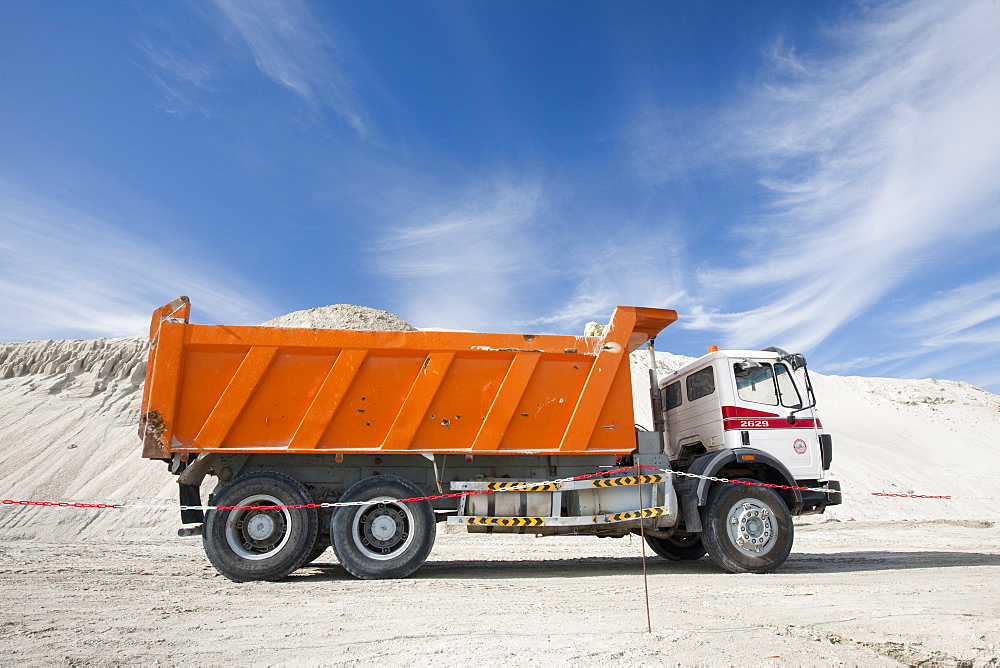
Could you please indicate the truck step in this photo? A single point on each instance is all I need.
(558, 521)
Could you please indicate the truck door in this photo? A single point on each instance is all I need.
(765, 395)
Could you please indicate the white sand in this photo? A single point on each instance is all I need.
(342, 316)
(910, 580)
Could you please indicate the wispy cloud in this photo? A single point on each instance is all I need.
(623, 265)
(469, 259)
(880, 158)
(957, 332)
(499, 256)
(967, 314)
(182, 79)
(286, 42)
(65, 272)
(290, 48)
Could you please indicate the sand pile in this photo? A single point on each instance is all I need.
(68, 431)
(68, 414)
(913, 437)
(343, 316)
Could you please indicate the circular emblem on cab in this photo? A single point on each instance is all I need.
(800, 446)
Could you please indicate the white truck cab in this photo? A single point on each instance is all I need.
(757, 403)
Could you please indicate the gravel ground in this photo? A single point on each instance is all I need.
(868, 593)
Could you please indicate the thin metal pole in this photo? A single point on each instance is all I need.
(654, 398)
(642, 533)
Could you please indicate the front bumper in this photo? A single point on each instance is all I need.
(817, 502)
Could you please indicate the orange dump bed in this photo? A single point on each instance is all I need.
(268, 389)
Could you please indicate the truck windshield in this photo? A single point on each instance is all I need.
(765, 384)
(756, 385)
(786, 387)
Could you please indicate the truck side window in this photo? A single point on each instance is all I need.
(786, 387)
(701, 384)
(756, 384)
(671, 396)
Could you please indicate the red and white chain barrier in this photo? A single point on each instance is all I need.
(823, 490)
(174, 506)
(170, 505)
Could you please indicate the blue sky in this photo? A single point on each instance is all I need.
(820, 176)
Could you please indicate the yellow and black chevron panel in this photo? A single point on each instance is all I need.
(523, 486)
(635, 514)
(507, 521)
(628, 480)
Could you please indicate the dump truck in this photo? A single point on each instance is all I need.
(364, 441)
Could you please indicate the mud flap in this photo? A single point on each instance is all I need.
(190, 495)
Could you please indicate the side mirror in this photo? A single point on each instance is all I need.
(798, 360)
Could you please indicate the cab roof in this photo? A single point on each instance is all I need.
(717, 355)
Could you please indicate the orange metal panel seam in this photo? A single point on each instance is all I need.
(179, 309)
(382, 451)
(504, 404)
(165, 392)
(595, 392)
(418, 400)
(324, 405)
(290, 338)
(235, 397)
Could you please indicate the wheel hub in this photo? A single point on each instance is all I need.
(257, 533)
(260, 527)
(751, 526)
(382, 530)
(383, 527)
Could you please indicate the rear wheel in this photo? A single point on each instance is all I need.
(382, 539)
(679, 547)
(253, 541)
(747, 529)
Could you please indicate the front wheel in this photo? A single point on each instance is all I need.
(382, 539)
(256, 541)
(747, 529)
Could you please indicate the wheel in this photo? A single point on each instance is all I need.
(679, 547)
(382, 540)
(260, 543)
(747, 529)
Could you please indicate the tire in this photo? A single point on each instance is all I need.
(319, 548)
(382, 540)
(248, 545)
(679, 547)
(747, 529)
